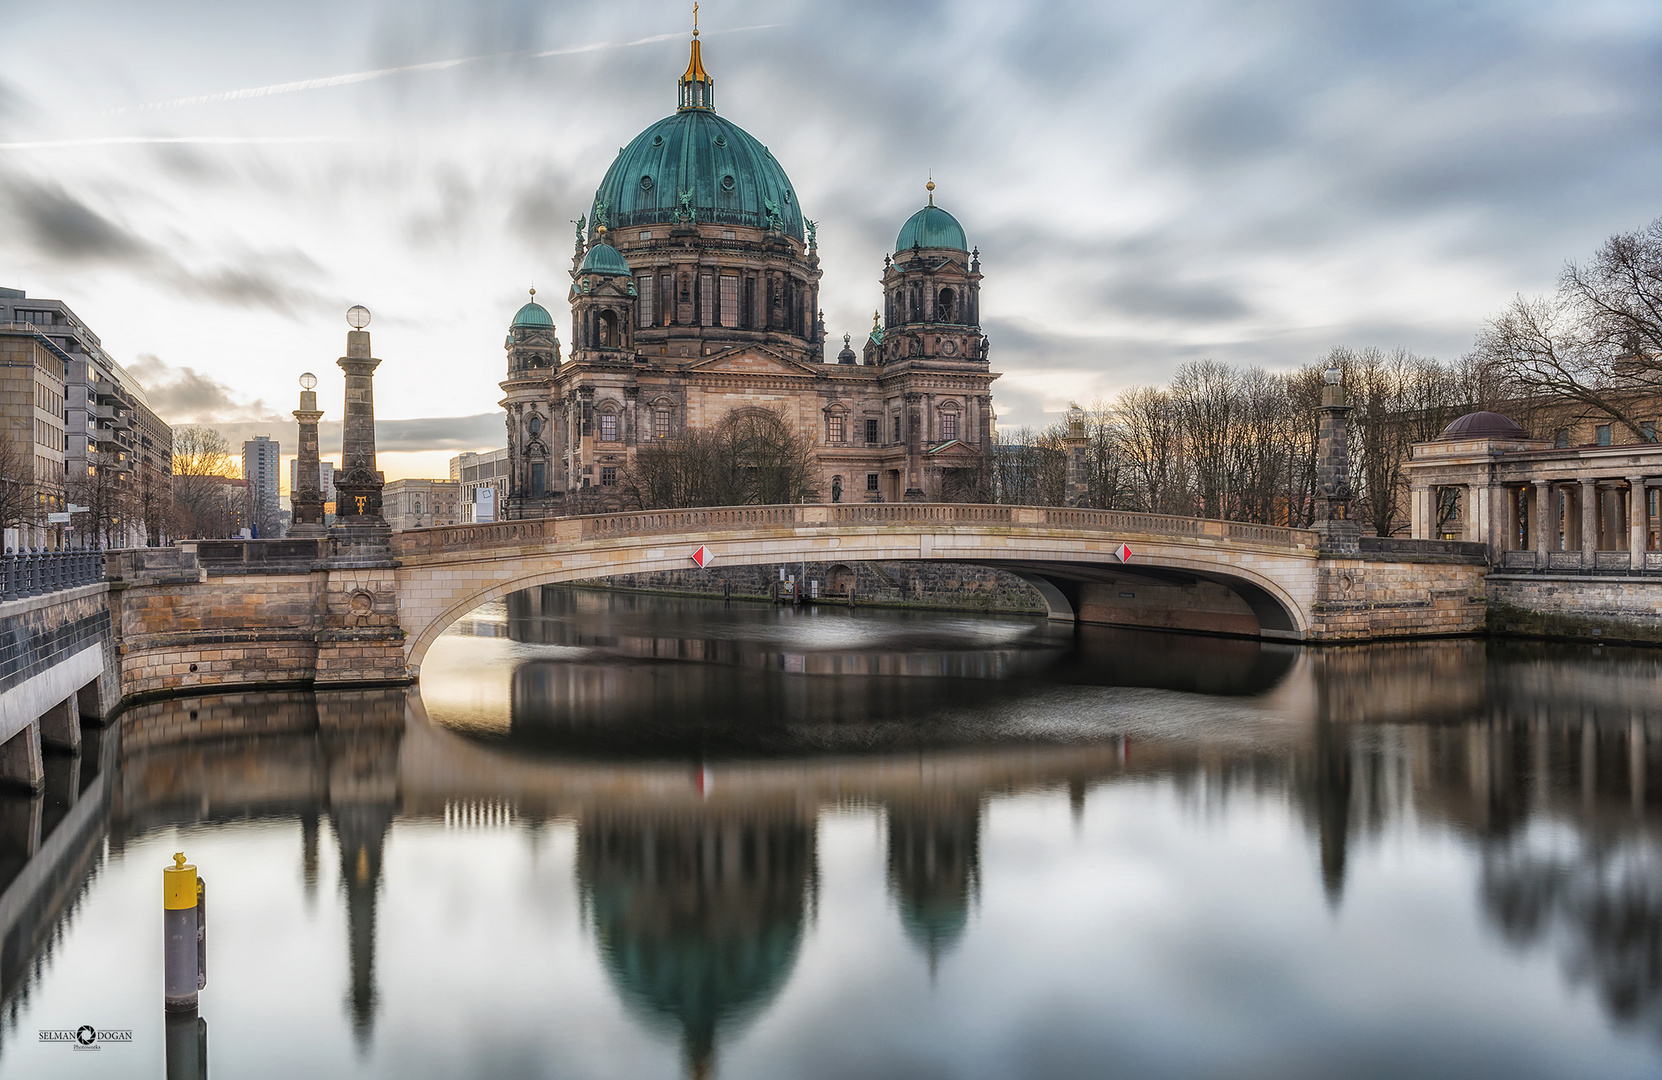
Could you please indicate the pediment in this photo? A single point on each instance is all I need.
(753, 360)
(952, 450)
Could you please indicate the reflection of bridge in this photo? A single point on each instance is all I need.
(1184, 573)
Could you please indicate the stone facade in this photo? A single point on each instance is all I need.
(691, 304)
(418, 504)
(1589, 608)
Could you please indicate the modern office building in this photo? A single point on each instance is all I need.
(117, 453)
(473, 471)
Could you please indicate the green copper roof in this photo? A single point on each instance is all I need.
(931, 227)
(603, 258)
(728, 177)
(532, 314)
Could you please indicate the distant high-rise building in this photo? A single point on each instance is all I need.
(260, 456)
(474, 471)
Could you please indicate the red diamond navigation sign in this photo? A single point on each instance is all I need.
(703, 557)
(1124, 553)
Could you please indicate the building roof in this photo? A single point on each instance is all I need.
(932, 227)
(1483, 425)
(604, 259)
(532, 314)
(727, 177)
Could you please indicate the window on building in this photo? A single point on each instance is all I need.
(871, 481)
(1561, 438)
(729, 300)
(643, 302)
(660, 423)
(706, 300)
(1604, 434)
(834, 428)
(949, 426)
(897, 427)
(608, 427)
(539, 478)
(608, 476)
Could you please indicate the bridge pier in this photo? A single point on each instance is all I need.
(21, 764)
(60, 726)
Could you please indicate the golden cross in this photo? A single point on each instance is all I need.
(695, 20)
(362, 499)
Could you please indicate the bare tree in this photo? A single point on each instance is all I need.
(106, 489)
(17, 483)
(1030, 467)
(753, 456)
(1597, 340)
(202, 463)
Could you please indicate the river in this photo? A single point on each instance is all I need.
(616, 835)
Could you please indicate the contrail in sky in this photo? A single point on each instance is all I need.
(211, 140)
(381, 73)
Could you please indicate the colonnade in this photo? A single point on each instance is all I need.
(1585, 522)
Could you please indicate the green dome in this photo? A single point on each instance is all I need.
(730, 176)
(931, 227)
(603, 258)
(532, 315)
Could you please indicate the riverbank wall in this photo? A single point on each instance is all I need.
(1576, 607)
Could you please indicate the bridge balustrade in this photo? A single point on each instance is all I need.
(34, 573)
(441, 539)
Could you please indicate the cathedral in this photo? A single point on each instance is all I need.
(695, 293)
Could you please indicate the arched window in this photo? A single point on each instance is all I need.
(608, 330)
(944, 309)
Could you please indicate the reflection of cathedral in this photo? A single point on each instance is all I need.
(699, 911)
(935, 867)
(695, 293)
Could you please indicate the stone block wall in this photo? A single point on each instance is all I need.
(1381, 597)
(946, 586)
(1203, 607)
(226, 631)
(1613, 608)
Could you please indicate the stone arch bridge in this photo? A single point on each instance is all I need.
(1180, 573)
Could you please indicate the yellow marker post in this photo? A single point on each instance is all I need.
(181, 931)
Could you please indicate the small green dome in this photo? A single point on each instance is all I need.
(931, 227)
(602, 259)
(532, 315)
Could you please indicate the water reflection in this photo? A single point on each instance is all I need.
(700, 796)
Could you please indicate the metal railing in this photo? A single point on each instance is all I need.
(34, 573)
(1116, 523)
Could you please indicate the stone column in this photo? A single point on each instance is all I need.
(358, 486)
(1333, 524)
(1416, 513)
(1078, 482)
(1543, 522)
(914, 447)
(1638, 514)
(307, 497)
(1589, 522)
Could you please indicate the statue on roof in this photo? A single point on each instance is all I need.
(684, 210)
(813, 234)
(776, 223)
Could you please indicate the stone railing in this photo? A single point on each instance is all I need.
(34, 573)
(461, 538)
(1401, 545)
(1576, 562)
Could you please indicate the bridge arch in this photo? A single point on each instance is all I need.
(447, 572)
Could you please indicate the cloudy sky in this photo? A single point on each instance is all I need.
(211, 185)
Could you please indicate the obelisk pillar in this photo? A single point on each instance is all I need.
(358, 484)
(1333, 522)
(306, 500)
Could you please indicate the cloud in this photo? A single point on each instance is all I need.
(183, 395)
(64, 228)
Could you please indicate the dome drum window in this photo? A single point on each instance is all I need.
(646, 183)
